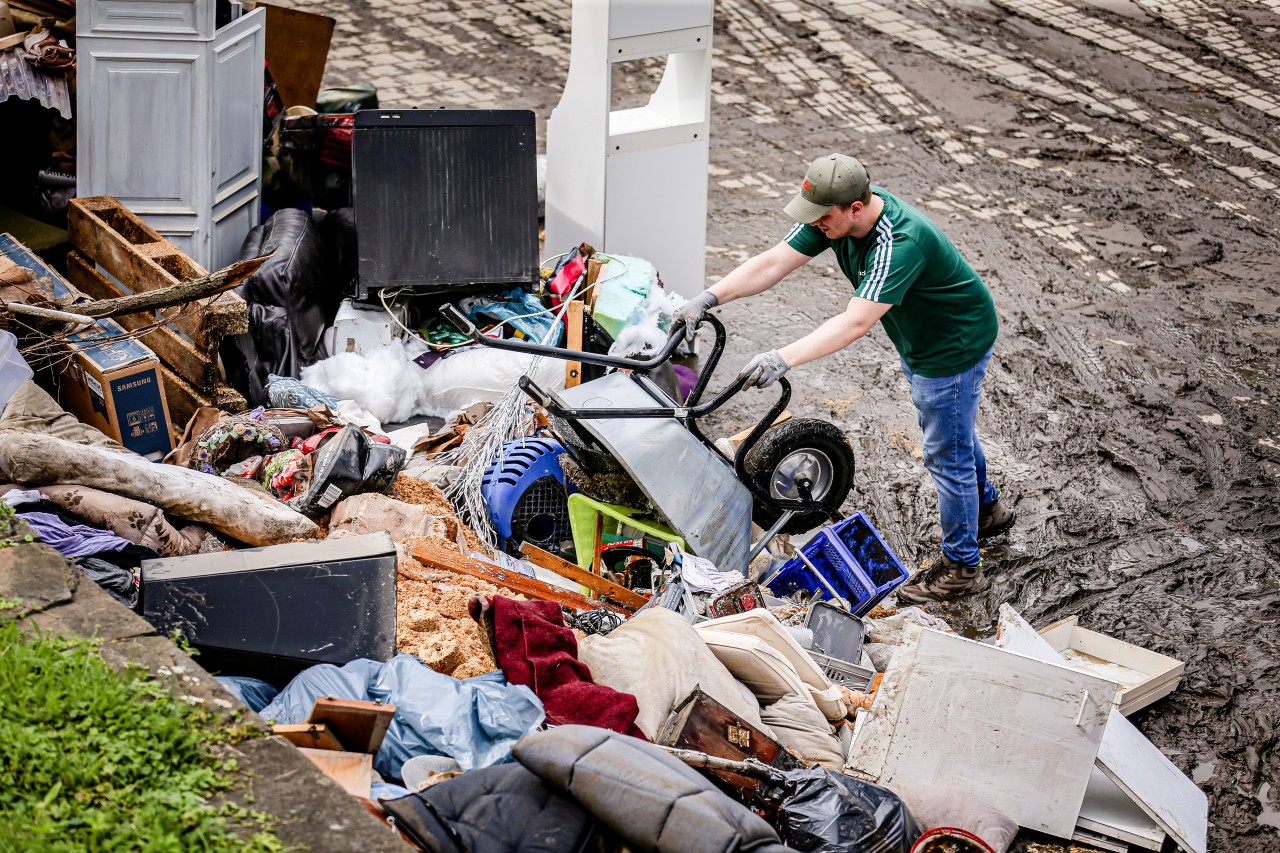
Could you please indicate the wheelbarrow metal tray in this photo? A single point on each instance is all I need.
(693, 487)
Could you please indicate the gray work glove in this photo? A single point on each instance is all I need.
(764, 370)
(695, 309)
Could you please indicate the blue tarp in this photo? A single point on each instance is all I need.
(476, 721)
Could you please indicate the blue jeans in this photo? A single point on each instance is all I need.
(947, 408)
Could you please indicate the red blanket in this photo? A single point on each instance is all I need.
(534, 648)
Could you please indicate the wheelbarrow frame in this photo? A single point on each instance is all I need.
(687, 414)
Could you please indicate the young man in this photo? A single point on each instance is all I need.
(908, 276)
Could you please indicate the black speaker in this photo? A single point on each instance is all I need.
(445, 200)
(271, 612)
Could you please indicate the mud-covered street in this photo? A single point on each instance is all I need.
(1112, 170)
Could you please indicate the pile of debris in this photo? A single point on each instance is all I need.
(436, 565)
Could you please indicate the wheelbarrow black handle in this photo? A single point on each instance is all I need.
(543, 399)
(468, 328)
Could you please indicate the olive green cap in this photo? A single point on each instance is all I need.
(831, 180)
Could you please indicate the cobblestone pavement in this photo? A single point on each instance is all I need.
(1111, 168)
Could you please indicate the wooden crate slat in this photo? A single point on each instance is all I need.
(182, 398)
(111, 235)
(173, 349)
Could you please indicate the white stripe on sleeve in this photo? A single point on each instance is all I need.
(874, 282)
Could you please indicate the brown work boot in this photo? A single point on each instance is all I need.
(992, 521)
(943, 579)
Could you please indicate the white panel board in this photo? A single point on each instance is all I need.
(634, 181)
(1019, 733)
(1153, 782)
(146, 109)
(237, 104)
(638, 17)
(639, 223)
(152, 17)
(1108, 811)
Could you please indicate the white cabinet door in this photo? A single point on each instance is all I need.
(169, 119)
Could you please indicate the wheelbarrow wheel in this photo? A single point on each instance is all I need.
(795, 450)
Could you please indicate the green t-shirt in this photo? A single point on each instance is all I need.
(943, 319)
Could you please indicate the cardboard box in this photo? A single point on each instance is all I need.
(112, 382)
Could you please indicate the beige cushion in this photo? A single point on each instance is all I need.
(763, 627)
(659, 658)
(800, 726)
(755, 663)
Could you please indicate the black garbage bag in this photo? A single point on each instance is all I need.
(349, 463)
(292, 298)
(120, 582)
(827, 812)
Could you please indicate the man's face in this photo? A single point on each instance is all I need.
(839, 221)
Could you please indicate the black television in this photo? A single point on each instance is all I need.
(445, 200)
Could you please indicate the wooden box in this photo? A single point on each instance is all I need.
(701, 723)
(1143, 676)
(115, 253)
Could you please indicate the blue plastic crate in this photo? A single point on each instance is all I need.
(853, 558)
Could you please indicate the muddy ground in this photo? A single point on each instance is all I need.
(1112, 171)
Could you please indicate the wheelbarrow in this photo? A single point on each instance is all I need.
(790, 478)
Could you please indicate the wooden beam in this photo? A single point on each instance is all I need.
(573, 340)
(173, 349)
(178, 294)
(183, 400)
(603, 587)
(445, 559)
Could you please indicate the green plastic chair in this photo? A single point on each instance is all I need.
(583, 512)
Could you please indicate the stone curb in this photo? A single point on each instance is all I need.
(310, 811)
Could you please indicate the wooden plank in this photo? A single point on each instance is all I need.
(594, 266)
(738, 438)
(436, 557)
(358, 724)
(183, 400)
(310, 735)
(352, 770)
(603, 587)
(174, 350)
(573, 340)
(229, 399)
(123, 244)
(297, 47)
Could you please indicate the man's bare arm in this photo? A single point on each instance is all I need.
(837, 333)
(759, 273)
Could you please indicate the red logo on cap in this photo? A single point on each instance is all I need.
(808, 187)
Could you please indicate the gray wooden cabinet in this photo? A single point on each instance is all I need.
(169, 118)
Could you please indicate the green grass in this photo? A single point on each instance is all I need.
(95, 759)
